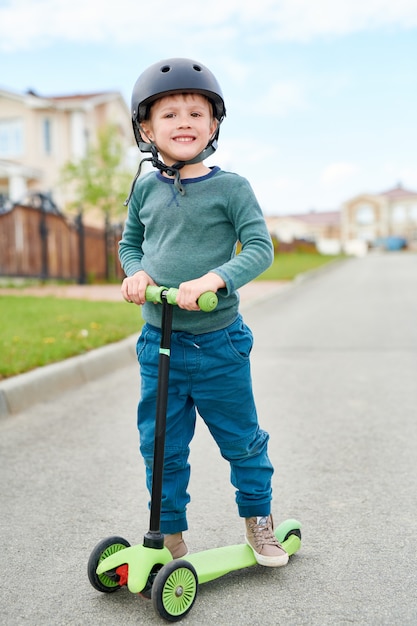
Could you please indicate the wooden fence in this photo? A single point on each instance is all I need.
(38, 244)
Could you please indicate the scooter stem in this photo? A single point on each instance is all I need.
(154, 537)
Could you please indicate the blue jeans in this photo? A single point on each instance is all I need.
(209, 373)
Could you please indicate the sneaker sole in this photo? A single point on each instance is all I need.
(180, 556)
(269, 561)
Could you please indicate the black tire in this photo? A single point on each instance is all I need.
(174, 590)
(147, 590)
(294, 531)
(109, 581)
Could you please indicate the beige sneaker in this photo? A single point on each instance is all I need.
(266, 548)
(176, 545)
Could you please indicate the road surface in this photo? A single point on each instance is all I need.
(335, 376)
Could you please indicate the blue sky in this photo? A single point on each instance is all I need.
(321, 96)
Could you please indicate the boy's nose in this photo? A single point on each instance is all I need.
(183, 121)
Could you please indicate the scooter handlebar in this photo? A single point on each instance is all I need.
(154, 293)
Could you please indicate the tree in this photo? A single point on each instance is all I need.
(100, 181)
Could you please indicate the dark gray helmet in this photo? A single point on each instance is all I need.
(172, 76)
(175, 76)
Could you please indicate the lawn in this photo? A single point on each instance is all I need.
(287, 266)
(35, 331)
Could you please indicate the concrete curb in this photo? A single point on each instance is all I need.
(44, 383)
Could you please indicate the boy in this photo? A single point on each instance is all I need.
(182, 228)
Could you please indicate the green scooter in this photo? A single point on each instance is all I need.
(148, 569)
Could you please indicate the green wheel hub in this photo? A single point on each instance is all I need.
(179, 591)
(104, 578)
(174, 590)
(106, 582)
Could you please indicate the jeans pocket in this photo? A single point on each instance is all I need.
(147, 338)
(240, 340)
(140, 345)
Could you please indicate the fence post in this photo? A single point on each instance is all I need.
(106, 247)
(81, 248)
(43, 232)
(116, 236)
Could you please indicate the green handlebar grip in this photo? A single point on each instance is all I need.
(207, 301)
(153, 293)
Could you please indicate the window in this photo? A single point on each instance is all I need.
(399, 214)
(413, 212)
(47, 135)
(11, 138)
(365, 214)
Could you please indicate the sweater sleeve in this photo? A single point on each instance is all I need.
(257, 252)
(130, 246)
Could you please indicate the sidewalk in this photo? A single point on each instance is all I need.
(45, 383)
(249, 293)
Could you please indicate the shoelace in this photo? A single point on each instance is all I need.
(263, 534)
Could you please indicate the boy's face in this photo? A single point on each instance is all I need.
(181, 126)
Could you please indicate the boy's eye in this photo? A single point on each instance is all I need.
(172, 114)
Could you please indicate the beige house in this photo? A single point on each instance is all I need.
(313, 226)
(371, 217)
(320, 227)
(364, 221)
(38, 135)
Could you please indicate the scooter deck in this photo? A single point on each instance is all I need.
(217, 562)
(209, 564)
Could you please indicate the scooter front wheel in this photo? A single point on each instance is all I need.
(109, 581)
(174, 590)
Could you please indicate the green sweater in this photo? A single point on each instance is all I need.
(176, 238)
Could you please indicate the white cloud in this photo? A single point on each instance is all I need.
(337, 173)
(27, 23)
(303, 20)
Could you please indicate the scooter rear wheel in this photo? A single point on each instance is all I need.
(107, 582)
(174, 590)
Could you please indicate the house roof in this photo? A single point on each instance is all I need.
(317, 218)
(80, 96)
(69, 101)
(398, 192)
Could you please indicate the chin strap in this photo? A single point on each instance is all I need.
(126, 202)
(170, 170)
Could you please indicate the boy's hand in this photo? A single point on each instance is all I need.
(133, 287)
(190, 291)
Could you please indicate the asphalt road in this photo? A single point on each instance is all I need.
(335, 375)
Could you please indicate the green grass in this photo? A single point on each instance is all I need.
(35, 331)
(287, 266)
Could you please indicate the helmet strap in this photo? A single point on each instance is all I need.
(132, 186)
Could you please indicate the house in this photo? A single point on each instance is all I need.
(286, 228)
(387, 219)
(38, 135)
(319, 227)
(372, 218)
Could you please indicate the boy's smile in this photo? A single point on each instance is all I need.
(181, 126)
